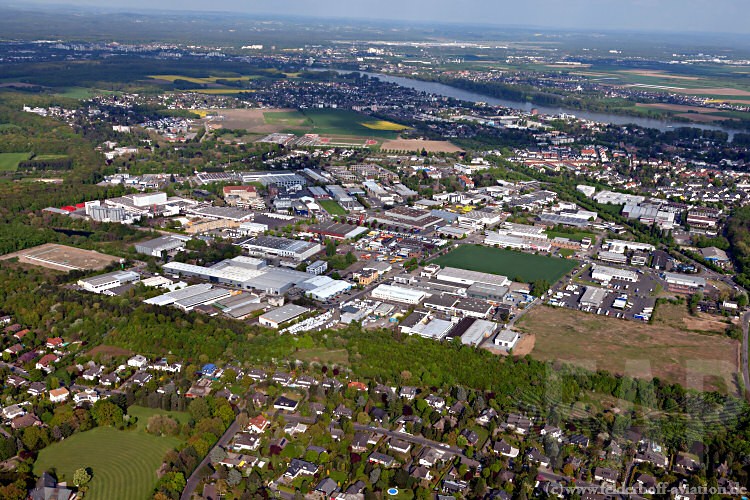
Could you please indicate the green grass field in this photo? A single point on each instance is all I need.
(576, 236)
(514, 265)
(332, 207)
(344, 122)
(9, 161)
(124, 463)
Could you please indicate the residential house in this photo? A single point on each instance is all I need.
(518, 423)
(13, 411)
(36, 389)
(505, 449)
(436, 402)
(381, 459)
(59, 395)
(604, 475)
(109, 380)
(342, 411)
(244, 441)
(536, 457)
(45, 362)
(399, 446)
(327, 488)
(141, 378)
(93, 373)
(408, 392)
(138, 361)
(258, 424)
(471, 437)
(487, 415)
(299, 467)
(285, 404)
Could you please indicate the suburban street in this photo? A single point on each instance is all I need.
(194, 479)
(744, 356)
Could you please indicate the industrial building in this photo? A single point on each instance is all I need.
(398, 294)
(466, 277)
(592, 297)
(619, 246)
(271, 246)
(104, 282)
(163, 244)
(477, 332)
(683, 282)
(317, 268)
(286, 180)
(337, 231)
(614, 257)
(276, 317)
(248, 273)
(507, 339)
(606, 274)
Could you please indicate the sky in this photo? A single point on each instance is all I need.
(711, 16)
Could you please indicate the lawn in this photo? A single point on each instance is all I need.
(575, 236)
(323, 355)
(633, 348)
(517, 266)
(124, 463)
(9, 161)
(332, 207)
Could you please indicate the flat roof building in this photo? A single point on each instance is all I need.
(103, 282)
(466, 277)
(275, 317)
(167, 243)
(606, 274)
(398, 294)
(264, 246)
(593, 297)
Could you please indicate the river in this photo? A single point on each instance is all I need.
(466, 95)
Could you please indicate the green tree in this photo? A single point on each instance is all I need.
(107, 414)
(81, 476)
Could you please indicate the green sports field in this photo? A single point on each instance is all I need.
(515, 265)
(332, 207)
(9, 161)
(124, 463)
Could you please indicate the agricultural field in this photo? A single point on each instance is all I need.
(124, 463)
(339, 122)
(420, 144)
(335, 126)
(9, 161)
(79, 92)
(698, 360)
(515, 265)
(332, 207)
(384, 125)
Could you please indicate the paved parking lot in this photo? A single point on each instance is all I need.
(639, 295)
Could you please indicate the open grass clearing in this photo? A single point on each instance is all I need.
(124, 463)
(323, 355)
(332, 207)
(678, 316)
(515, 265)
(700, 361)
(9, 161)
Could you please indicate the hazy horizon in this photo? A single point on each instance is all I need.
(668, 16)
